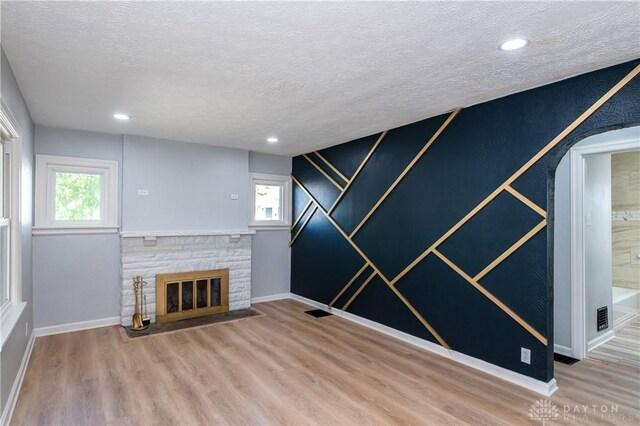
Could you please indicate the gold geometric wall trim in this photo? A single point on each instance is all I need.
(505, 186)
(325, 174)
(304, 210)
(303, 225)
(373, 266)
(491, 297)
(351, 281)
(357, 172)
(358, 291)
(511, 250)
(406, 170)
(507, 183)
(533, 206)
(332, 167)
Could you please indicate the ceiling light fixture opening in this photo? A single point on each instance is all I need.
(272, 139)
(121, 116)
(514, 44)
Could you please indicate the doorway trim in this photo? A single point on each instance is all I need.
(578, 283)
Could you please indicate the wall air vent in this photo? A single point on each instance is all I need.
(603, 318)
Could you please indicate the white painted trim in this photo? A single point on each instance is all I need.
(16, 306)
(270, 298)
(46, 168)
(546, 389)
(76, 326)
(46, 230)
(10, 318)
(578, 283)
(600, 340)
(270, 228)
(562, 350)
(621, 322)
(17, 383)
(193, 233)
(275, 180)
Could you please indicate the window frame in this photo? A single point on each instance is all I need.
(11, 311)
(285, 201)
(46, 168)
(6, 214)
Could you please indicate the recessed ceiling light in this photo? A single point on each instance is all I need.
(121, 116)
(272, 139)
(514, 44)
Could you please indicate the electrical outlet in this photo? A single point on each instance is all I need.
(26, 329)
(234, 196)
(143, 192)
(525, 355)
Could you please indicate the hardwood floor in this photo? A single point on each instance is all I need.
(623, 349)
(286, 367)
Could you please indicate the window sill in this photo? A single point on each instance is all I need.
(278, 227)
(9, 321)
(59, 230)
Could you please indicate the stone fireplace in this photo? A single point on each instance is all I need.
(151, 254)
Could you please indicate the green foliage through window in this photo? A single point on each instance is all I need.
(77, 196)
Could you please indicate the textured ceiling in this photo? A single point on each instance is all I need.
(313, 74)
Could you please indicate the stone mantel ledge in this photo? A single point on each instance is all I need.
(142, 234)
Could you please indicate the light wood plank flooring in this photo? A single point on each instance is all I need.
(623, 349)
(287, 367)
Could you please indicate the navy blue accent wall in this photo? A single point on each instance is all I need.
(480, 149)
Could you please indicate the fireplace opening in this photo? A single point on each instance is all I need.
(191, 294)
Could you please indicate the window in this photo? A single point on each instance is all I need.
(5, 224)
(76, 195)
(270, 201)
(11, 304)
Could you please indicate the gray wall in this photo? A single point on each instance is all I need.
(189, 186)
(14, 348)
(76, 277)
(271, 256)
(597, 240)
(562, 254)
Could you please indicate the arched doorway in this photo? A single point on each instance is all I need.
(582, 246)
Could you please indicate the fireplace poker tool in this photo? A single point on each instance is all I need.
(137, 323)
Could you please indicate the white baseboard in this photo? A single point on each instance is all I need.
(270, 298)
(600, 340)
(546, 389)
(562, 350)
(17, 383)
(621, 322)
(76, 326)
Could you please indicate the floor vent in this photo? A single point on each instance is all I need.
(563, 359)
(318, 313)
(603, 318)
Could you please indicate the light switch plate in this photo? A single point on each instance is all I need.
(234, 196)
(143, 192)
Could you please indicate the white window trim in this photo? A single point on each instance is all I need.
(46, 168)
(12, 311)
(265, 179)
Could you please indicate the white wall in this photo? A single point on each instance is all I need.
(14, 347)
(189, 186)
(597, 240)
(271, 255)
